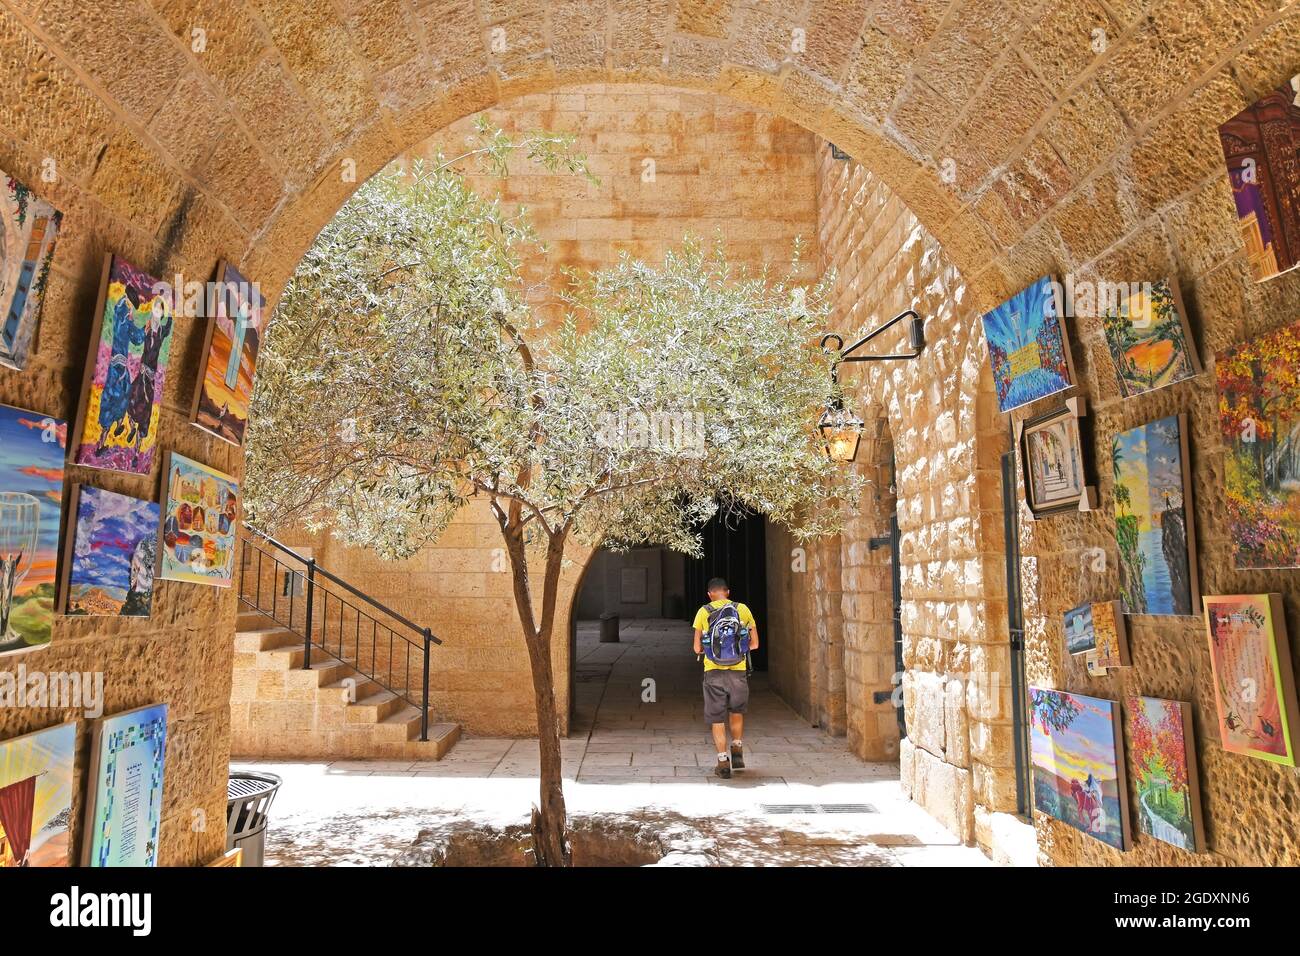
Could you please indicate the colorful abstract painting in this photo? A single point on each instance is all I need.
(1027, 346)
(1163, 760)
(126, 372)
(112, 553)
(1152, 498)
(1056, 470)
(36, 784)
(199, 524)
(1148, 339)
(221, 400)
(1259, 418)
(1260, 145)
(1254, 686)
(1078, 773)
(124, 803)
(29, 228)
(31, 496)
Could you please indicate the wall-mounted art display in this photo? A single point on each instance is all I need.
(1254, 686)
(1027, 346)
(1098, 628)
(36, 797)
(199, 523)
(32, 457)
(126, 371)
(1054, 461)
(29, 228)
(1152, 495)
(124, 800)
(1163, 757)
(112, 551)
(1078, 772)
(234, 336)
(1259, 418)
(1094, 668)
(1148, 339)
(1260, 145)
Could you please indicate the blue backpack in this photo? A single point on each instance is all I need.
(725, 640)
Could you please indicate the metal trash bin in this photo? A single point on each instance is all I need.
(609, 628)
(248, 800)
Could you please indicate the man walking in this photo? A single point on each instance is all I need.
(725, 633)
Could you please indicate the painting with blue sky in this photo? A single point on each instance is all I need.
(112, 553)
(1078, 768)
(1027, 346)
(31, 495)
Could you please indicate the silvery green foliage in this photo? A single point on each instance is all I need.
(403, 375)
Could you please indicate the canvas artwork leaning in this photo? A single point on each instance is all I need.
(1254, 686)
(1260, 145)
(1259, 419)
(234, 336)
(199, 524)
(31, 498)
(124, 798)
(1152, 495)
(36, 784)
(29, 229)
(112, 550)
(1027, 346)
(1164, 772)
(1148, 339)
(1097, 628)
(126, 371)
(1076, 749)
(1054, 462)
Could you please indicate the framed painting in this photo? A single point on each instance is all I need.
(32, 458)
(1054, 465)
(29, 229)
(199, 524)
(126, 371)
(1260, 145)
(1080, 635)
(1097, 629)
(1259, 419)
(1163, 756)
(112, 551)
(1076, 747)
(1152, 496)
(1148, 339)
(124, 799)
(36, 786)
(230, 357)
(1028, 347)
(1254, 686)
(1094, 668)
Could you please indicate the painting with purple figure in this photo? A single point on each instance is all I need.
(111, 555)
(1027, 346)
(126, 371)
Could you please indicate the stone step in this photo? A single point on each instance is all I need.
(377, 708)
(350, 688)
(402, 724)
(322, 673)
(264, 639)
(248, 620)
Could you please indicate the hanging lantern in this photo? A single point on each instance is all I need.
(841, 431)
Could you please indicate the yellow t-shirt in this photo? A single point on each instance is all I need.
(702, 624)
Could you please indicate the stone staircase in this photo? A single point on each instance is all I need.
(330, 710)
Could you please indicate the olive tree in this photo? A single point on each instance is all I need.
(405, 374)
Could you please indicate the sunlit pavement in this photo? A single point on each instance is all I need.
(629, 756)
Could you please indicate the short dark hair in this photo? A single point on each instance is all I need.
(716, 584)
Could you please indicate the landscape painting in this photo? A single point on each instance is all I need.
(234, 335)
(1027, 346)
(1078, 771)
(1148, 339)
(31, 497)
(126, 371)
(1164, 772)
(1056, 471)
(1260, 145)
(36, 785)
(29, 228)
(1254, 686)
(1152, 498)
(112, 551)
(124, 801)
(1259, 419)
(199, 524)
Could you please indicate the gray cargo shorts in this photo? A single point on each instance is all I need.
(724, 692)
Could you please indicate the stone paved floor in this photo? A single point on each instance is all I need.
(628, 756)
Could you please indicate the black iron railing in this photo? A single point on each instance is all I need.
(371, 638)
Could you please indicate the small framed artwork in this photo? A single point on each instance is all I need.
(1148, 339)
(1163, 757)
(29, 228)
(110, 554)
(230, 357)
(1055, 468)
(1028, 347)
(198, 533)
(124, 798)
(1254, 685)
(1097, 629)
